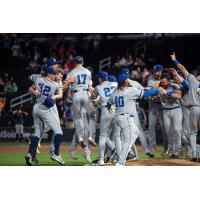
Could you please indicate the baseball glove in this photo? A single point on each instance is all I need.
(49, 102)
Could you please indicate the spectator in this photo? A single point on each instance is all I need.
(16, 50)
(19, 116)
(2, 84)
(145, 73)
(10, 87)
(2, 104)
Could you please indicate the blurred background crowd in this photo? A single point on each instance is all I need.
(25, 54)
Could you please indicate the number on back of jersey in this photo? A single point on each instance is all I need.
(119, 101)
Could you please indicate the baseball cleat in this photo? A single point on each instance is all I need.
(91, 141)
(82, 143)
(131, 158)
(28, 159)
(95, 161)
(58, 159)
(88, 159)
(194, 159)
(118, 164)
(101, 163)
(151, 155)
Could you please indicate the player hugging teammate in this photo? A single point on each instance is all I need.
(173, 99)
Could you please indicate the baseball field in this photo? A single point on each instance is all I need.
(12, 154)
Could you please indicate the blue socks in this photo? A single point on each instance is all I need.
(33, 144)
(57, 142)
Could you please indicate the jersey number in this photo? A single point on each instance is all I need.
(44, 89)
(119, 101)
(107, 92)
(81, 79)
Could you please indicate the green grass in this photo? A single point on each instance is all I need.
(17, 159)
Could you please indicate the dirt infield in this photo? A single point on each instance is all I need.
(144, 162)
(163, 162)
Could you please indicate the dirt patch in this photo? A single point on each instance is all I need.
(163, 162)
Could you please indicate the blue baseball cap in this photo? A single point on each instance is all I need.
(78, 59)
(103, 74)
(125, 71)
(112, 79)
(121, 78)
(49, 70)
(51, 61)
(158, 68)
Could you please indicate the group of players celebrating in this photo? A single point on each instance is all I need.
(174, 99)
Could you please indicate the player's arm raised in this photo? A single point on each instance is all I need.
(179, 65)
(183, 81)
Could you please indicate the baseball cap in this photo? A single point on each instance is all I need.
(125, 71)
(121, 78)
(112, 79)
(49, 70)
(78, 59)
(103, 74)
(158, 68)
(51, 61)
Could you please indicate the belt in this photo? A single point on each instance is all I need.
(171, 108)
(75, 91)
(194, 106)
(156, 102)
(127, 114)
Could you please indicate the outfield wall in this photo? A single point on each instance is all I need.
(9, 134)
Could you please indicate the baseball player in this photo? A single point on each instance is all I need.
(156, 111)
(80, 98)
(194, 102)
(44, 110)
(170, 95)
(104, 90)
(142, 135)
(59, 75)
(122, 98)
(184, 101)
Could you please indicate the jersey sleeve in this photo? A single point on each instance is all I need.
(135, 93)
(34, 77)
(139, 86)
(191, 79)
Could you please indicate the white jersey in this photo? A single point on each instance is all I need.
(135, 84)
(104, 90)
(123, 100)
(83, 78)
(47, 87)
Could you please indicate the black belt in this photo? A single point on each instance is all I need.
(171, 108)
(75, 91)
(156, 102)
(126, 114)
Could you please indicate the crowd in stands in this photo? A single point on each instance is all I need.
(30, 55)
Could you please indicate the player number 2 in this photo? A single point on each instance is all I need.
(81, 79)
(119, 101)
